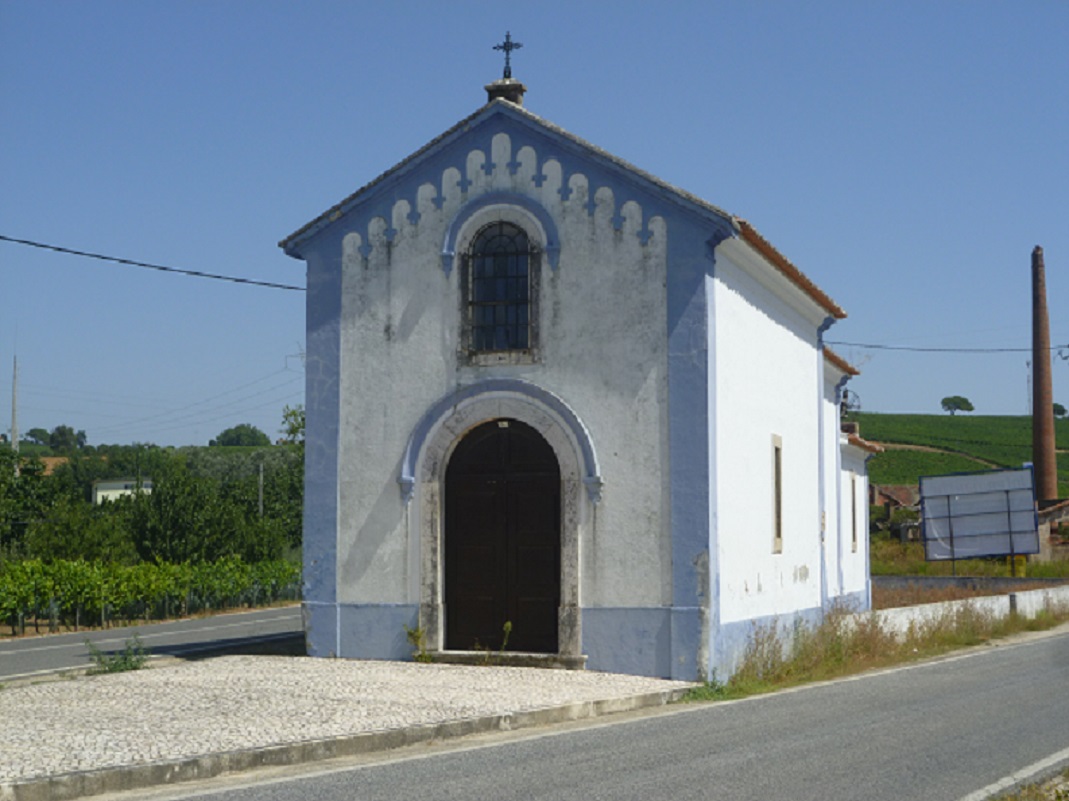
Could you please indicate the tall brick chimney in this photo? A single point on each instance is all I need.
(1043, 458)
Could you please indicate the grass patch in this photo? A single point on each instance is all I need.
(133, 656)
(905, 467)
(845, 644)
(889, 557)
(1057, 789)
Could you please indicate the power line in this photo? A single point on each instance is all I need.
(181, 416)
(160, 267)
(941, 350)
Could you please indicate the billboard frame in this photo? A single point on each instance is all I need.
(994, 512)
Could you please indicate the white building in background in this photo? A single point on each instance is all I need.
(111, 489)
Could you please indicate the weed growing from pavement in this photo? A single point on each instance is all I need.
(712, 690)
(417, 638)
(490, 657)
(133, 656)
(844, 644)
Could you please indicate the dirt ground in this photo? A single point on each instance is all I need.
(887, 598)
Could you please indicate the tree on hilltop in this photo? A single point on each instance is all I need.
(1059, 410)
(243, 434)
(956, 403)
(38, 436)
(65, 438)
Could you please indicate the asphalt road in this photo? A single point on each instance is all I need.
(30, 656)
(934, 732)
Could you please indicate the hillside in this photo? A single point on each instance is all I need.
(958, 443)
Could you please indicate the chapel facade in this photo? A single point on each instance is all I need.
(551, 394)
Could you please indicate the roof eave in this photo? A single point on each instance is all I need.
(841, 364)
(752, 238)
(309, 229)
(863, 444)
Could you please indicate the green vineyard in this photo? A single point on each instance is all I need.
(62, 594)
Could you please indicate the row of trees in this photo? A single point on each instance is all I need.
(63, 439)
(60, 439)
(205, 504)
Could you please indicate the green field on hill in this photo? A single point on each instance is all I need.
(965, 443)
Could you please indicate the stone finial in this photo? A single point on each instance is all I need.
(507, 89)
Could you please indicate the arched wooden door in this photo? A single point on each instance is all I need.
(502, 540)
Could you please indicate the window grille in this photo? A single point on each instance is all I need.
(777, 494)
(500, 267)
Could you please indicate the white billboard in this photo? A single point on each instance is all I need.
(969, 515)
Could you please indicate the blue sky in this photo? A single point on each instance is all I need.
(906, 155)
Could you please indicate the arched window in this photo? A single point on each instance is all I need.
(501, 273)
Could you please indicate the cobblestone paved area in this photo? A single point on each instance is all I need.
(240, 702)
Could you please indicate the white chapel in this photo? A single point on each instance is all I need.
(548, 390)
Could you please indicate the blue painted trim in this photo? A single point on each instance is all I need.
(821, 477)
(643, 640)
(631, 640)
(552, 244)
(691, 439)
(375, 631)
(714, 528)
(440, 410)
(856, 601)
(320, 621)
(451, 150)
(839, 483)
(840, 387)
(322, 401)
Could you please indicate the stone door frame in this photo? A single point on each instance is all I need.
(422, 482)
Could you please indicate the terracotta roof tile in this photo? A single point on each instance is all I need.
(840, 362)
(797, 277)
(864, 444)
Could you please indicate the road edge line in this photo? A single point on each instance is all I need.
(1037, 771)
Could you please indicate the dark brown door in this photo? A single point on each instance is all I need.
(502, 540)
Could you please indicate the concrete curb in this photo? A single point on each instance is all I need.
(132, 777)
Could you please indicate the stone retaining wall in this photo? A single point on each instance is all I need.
(1027, 603)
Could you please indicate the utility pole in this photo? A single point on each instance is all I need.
(15, 413)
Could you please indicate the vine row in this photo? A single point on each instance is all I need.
(77, 594)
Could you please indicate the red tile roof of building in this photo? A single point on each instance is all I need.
(864, 444)
(840, 362)
(782, 263)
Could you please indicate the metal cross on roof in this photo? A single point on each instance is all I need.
(508, 46)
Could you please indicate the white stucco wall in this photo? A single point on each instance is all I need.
(835, 528)
(854, 478)
(768, 385)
